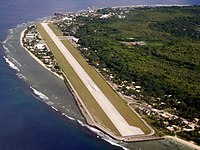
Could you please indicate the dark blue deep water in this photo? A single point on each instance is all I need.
(27, 123)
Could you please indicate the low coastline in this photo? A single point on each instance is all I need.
(34, 57)
(189, 144)
(86, 116)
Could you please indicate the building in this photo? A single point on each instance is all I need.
(171, 129)
(30, 36)
(166, 115)
(40, 46)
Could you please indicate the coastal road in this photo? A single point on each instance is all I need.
(119, 122)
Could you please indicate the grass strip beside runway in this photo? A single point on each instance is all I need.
(93, 107)
(114, 98)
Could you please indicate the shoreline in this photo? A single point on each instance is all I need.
(139, 6)
(87, 116)
(35, 58)
(91, 122)
(99, 125)
(187, 143)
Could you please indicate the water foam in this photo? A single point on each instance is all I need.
(113, 142)
(16, 61)
(99, 133)
(49, 103)
(81, 123)
(21, 76)
(54, 108)
(4, 47)
(40, 94)
(68, 116)
(4, 42)
(103, 136)
(11, 64)
(9, 36)
(10, 31)
(20, 25)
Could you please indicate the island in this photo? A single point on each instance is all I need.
(127, 67)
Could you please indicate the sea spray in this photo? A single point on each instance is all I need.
(40, 94)
(4, 42)
(21, 76)
(9, 36)
(103, 136)
(10, 31)
(16, 61)
(12, 65)
(63, 114)
(54, 108)
(5, 48)
(50, 103)
(114, 143)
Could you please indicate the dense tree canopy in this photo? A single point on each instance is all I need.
(168, 62)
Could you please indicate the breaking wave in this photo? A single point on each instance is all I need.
(68, 116)
(21, 76)
(41, 95)
(49, 103)
(103, 136)
(113, 142)
(10, 31)
(9, 36)
(16, 61)
(81, 123)
(5, 48)
(4, 42)
(11, 64)
(54, 108)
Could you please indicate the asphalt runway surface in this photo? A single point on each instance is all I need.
(119, 122)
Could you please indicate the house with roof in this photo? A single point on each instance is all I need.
(40, 46)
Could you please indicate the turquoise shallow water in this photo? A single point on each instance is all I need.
(28, 91)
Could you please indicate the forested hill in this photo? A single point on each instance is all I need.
(158, 48)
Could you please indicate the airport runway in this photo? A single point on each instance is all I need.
(119, 122)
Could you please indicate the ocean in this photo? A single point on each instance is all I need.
(37, 111)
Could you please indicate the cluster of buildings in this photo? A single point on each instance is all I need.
(105, 13)
(130, 90)
(68, 24)
(172, 123)
(34, 44)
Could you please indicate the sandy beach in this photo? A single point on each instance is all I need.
(34, 57)
(189, 144)
(87, 115)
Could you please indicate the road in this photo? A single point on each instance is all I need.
(119, 122)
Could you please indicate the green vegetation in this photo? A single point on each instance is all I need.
(119, 104)
(55, 30)
(80, 88)
(84, 94)
(191, 136)
(168, 64)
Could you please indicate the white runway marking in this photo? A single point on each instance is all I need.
(119, 122)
